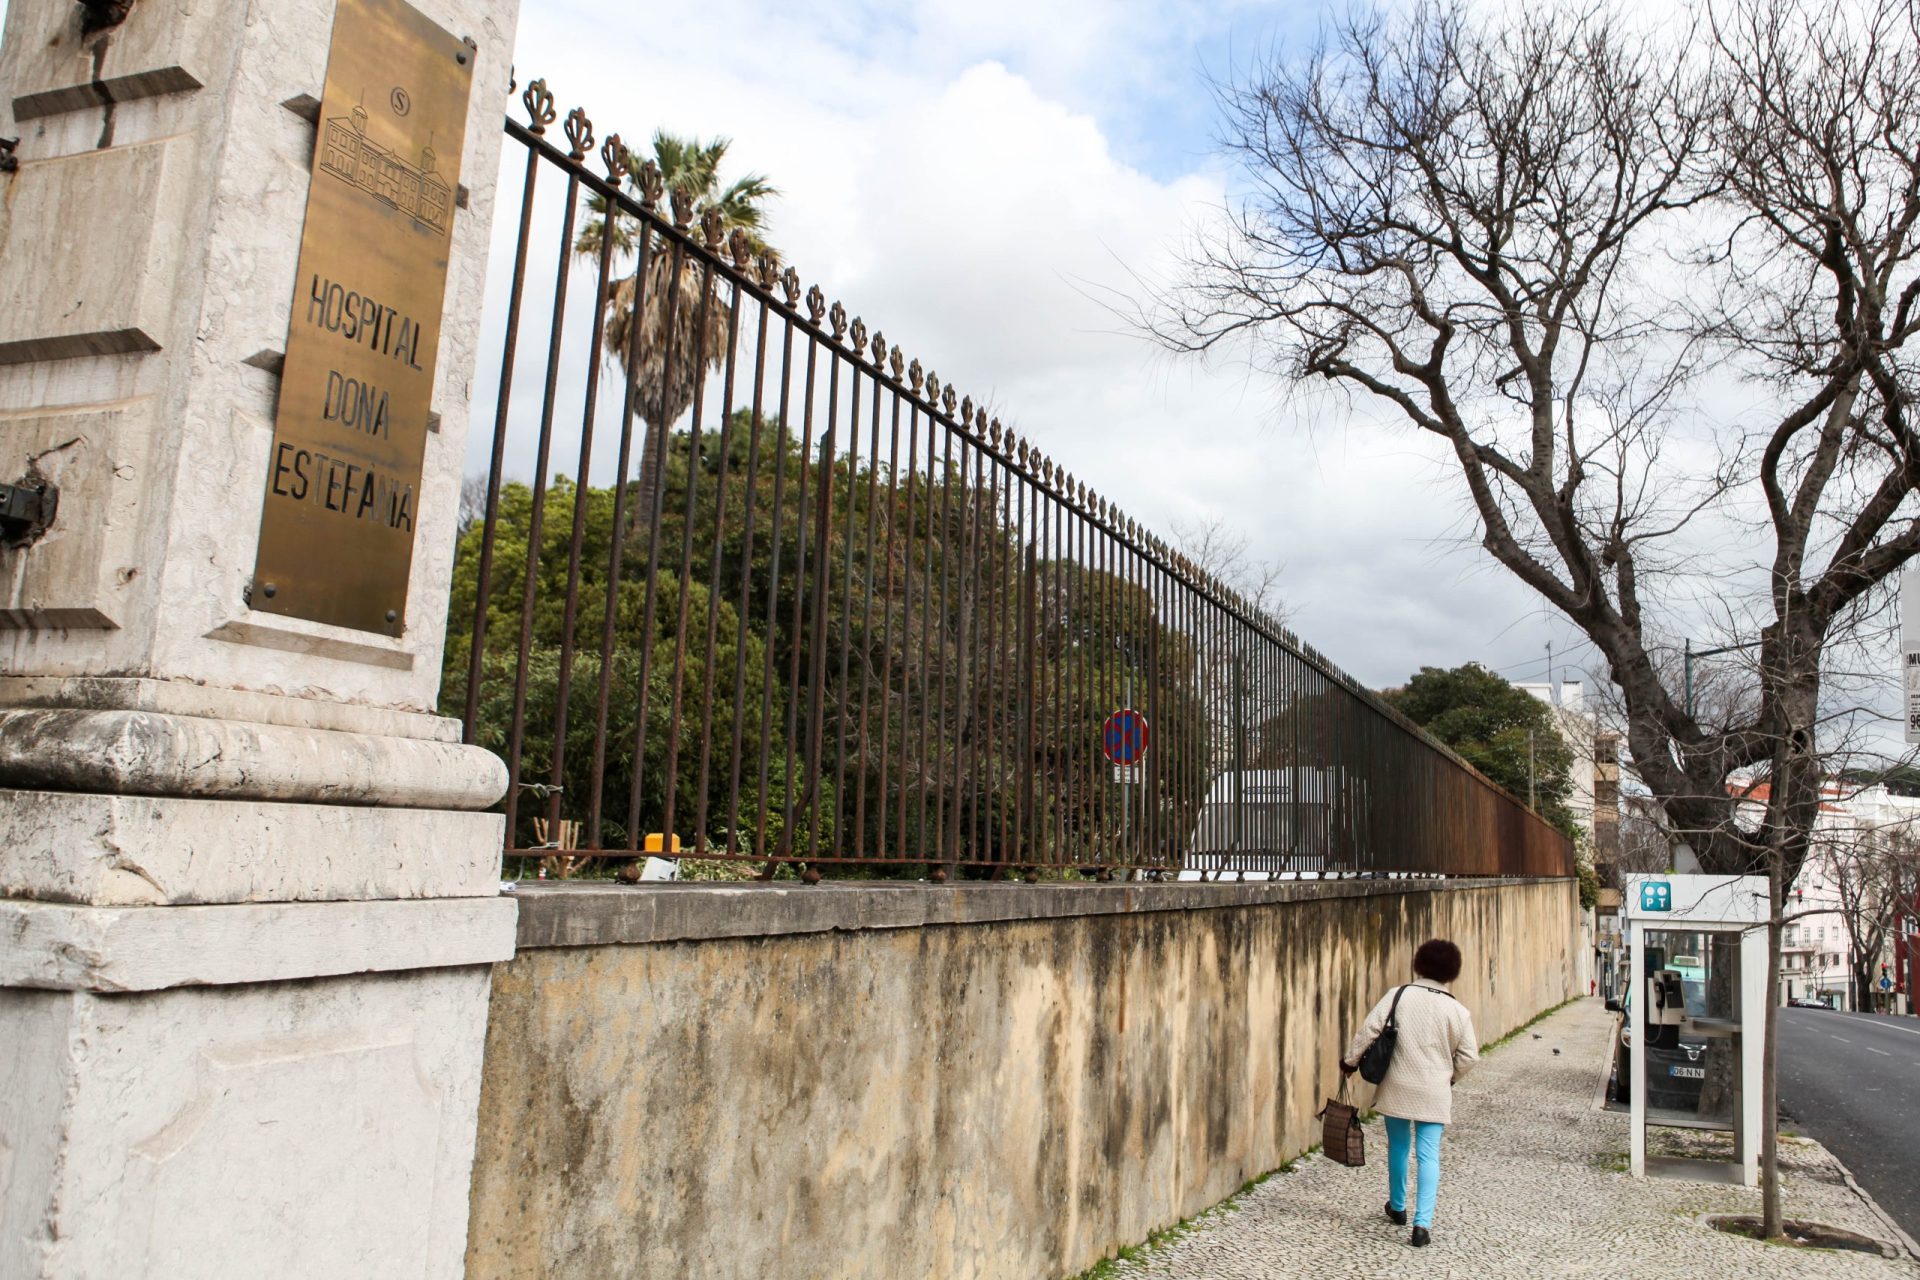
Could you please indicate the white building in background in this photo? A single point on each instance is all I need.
(1815, 947)
(1593, 800)
(1814, 962)
(1577, 727)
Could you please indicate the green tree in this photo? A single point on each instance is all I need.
(1504, 732)
(960, 667)
(603, 761)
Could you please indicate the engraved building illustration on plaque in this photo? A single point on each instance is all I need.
(348, 154)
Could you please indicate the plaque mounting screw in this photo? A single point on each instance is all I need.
(393, 615)
(270, 591)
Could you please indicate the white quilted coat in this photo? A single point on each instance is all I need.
(1436, 1048)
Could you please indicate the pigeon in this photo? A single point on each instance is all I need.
(1556, 1053)
(1536, 1035)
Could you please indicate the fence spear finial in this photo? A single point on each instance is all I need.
(652, 184)
(538, 100)
(579, 131)
(613, 155)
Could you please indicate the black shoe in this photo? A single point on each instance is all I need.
(1420, 1238)
(1398, 1217)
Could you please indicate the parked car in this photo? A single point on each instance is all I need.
(1676, 1063)
(1807, 1002)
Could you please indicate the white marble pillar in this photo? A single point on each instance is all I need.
(248, 880)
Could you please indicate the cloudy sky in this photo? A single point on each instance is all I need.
(979, 178)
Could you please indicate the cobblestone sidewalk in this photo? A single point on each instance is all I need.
(1532, 1185)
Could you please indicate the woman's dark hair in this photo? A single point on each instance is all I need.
(1437, 960)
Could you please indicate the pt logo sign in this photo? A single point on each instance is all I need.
(1655, 896)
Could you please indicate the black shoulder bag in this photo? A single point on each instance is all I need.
(1379, 1055)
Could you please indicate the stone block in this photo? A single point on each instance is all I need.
(158, 49)
(77, 573)
(120, 949)
(109, 850)
(66, 293)
(235, 1131)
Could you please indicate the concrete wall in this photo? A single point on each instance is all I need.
(967, 1081)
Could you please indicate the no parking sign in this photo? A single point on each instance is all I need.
(1124, 737)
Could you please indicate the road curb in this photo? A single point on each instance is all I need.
(1899, 1235)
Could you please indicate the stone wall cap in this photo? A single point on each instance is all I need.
(588, 914)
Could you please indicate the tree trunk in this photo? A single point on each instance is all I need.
(648, 485)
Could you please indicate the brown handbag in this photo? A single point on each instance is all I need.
(1341, 1137)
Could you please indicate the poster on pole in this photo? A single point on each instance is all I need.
(1910, 651)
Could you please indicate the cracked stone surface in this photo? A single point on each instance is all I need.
(1531, 1185)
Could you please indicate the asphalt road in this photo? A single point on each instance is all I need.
(1852, 1080)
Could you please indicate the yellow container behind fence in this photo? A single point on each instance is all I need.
(657, 843)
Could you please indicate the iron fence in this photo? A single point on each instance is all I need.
(826, 611)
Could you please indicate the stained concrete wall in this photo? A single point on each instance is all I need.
(970, 1081)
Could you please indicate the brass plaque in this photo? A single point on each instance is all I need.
(343, 480)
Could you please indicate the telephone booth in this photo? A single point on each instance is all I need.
(1695, 1004)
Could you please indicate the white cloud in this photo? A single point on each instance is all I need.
(949, 172)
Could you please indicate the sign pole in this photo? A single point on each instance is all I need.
(1910, 652)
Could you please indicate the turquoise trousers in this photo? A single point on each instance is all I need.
(1402, 1135)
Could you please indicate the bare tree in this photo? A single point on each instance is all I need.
(1870, 873)
(1645, 844)
(1558, 244)
(1227, 553)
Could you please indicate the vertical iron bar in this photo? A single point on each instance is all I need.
(985, 601)
(845, 842)
(484, 588)
(743, 607)
(962, 674)
(654, 519)
(886, 644)
(866, 618)
(943, 745)
(616, 553)
(823, 572)
(795, 798)
(915, 648)
(563, 685)
(929, 646)
(536, 520)
(716, 574)
(1023, 819)
(780, 464)
(679, 681)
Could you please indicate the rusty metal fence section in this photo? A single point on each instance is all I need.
(752, 583)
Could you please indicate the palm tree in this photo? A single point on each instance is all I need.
(668, 368)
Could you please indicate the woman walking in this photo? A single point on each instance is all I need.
(1435, 1047)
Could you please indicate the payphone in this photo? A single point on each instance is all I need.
(1697, 945)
